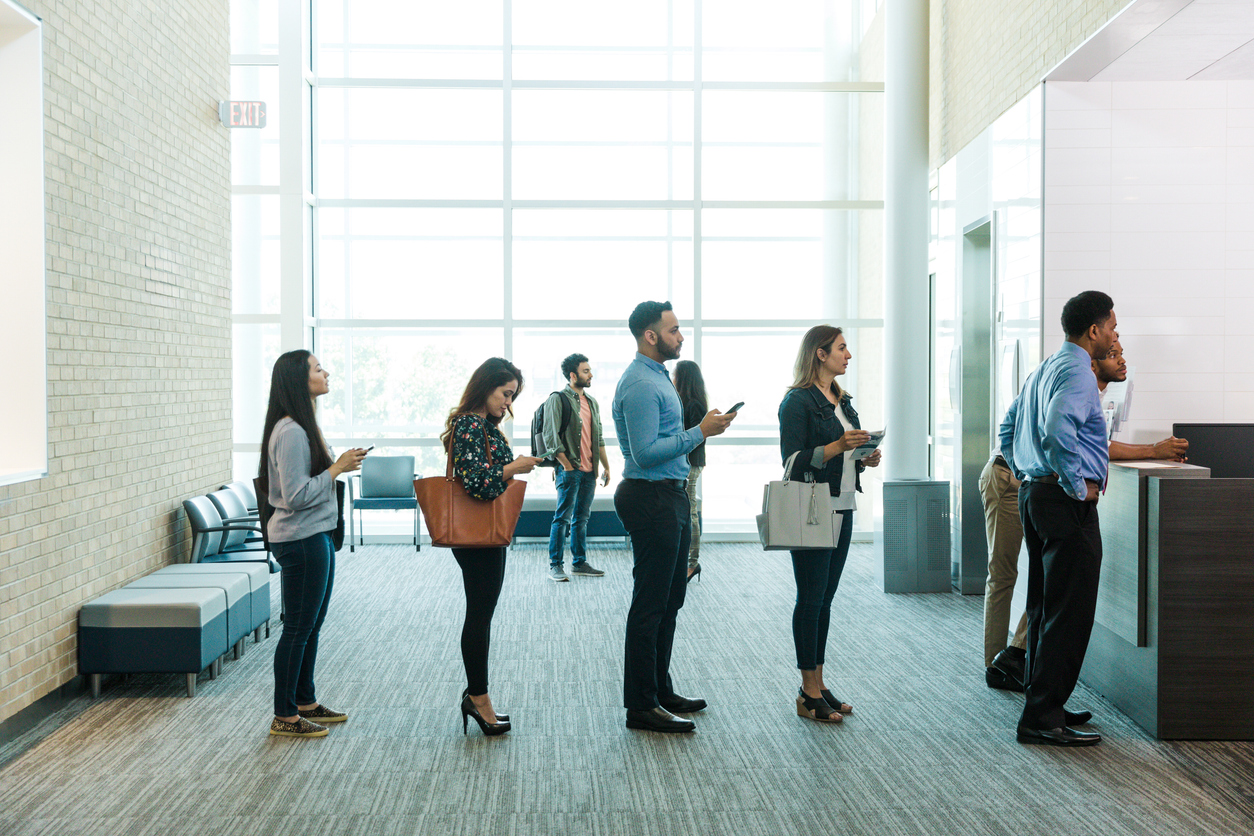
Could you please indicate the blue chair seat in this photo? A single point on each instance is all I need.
(386, 483)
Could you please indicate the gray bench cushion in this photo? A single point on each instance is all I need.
(154, 608)
(239, 613)
(258, 579)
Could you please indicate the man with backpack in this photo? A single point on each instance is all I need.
(566, 431)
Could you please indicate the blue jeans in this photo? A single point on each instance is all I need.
(818, 573)
(574, 498)
(308, 573)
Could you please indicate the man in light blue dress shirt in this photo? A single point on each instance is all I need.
(1054, 439)
(652, 502)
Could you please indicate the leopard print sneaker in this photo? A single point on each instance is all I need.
(322, 714)
(301, 728)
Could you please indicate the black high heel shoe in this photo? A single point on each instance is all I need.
(489, 729)
(695, 573)
(500, 718)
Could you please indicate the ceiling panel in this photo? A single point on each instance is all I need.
(1168, 40)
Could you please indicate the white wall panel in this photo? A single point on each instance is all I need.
(1178, 219)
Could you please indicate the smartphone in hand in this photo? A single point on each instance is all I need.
(735, 408)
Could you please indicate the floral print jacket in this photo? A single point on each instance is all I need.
(470, 456)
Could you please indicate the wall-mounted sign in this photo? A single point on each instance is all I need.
(242, 114)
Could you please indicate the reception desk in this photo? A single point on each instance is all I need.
(1173, 636)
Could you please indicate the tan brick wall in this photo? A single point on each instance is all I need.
(987, 54)
(139, 327)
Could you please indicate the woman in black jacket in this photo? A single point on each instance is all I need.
(817, 421)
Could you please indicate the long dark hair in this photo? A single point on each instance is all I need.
(289, 398)
(494, 373)
(690, 384)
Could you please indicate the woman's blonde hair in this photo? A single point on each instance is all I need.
(806, 371)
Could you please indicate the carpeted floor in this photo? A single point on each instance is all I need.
(930, 749)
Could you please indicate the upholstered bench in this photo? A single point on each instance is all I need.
(153, 631)
(258, 581)
(536, 518)
(239, 611)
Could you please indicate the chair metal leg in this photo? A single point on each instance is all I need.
(191, 685)
(95, 685)
(239, 649)
(257, 636)
(215, 668)
(267, 628)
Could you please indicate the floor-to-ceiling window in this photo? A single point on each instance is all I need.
(510, 177)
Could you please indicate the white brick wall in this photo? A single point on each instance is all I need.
(139, 329)
(987, 54)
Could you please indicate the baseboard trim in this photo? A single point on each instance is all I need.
(13, 728)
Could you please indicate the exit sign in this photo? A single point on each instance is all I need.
(242, 114)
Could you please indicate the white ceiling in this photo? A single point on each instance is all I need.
(1168, 40)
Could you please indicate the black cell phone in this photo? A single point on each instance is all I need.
(368, 449)
(735, 408)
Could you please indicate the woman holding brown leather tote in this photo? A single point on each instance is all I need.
(484, 463)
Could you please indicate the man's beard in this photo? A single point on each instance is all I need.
(667, 352)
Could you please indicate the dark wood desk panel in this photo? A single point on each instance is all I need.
(1122, 590)
(1201, 538)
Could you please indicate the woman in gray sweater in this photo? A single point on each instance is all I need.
(300, 473)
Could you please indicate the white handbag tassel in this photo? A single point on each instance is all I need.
(814, 506)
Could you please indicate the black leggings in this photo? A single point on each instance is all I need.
(483, 572)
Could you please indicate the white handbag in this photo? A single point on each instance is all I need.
(798, 515)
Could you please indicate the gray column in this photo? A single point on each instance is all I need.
(906, 287)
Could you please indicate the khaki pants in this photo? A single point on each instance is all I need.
(999, 490)
(694, 508)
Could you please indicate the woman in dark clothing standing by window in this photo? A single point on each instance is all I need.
(690, 384)
(473, 435)
(300, 475)
(818, 422)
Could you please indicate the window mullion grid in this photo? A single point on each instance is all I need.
(507, 187)
(697, 45)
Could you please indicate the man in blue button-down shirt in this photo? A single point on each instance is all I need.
(1054, 439)
(652, 502)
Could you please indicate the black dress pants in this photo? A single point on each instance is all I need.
(1064, 563)
(656, 516)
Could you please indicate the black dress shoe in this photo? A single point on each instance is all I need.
(1000, 679)
(682, 705)
(658, 720)
(1058, 737)
(1011, 661)
(1078, 718)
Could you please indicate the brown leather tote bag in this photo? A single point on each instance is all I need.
(455, 519)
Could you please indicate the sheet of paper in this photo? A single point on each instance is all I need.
(861, 452)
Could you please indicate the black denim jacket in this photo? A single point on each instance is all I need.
(808, 420)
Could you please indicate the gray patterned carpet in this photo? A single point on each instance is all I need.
(930, 749)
